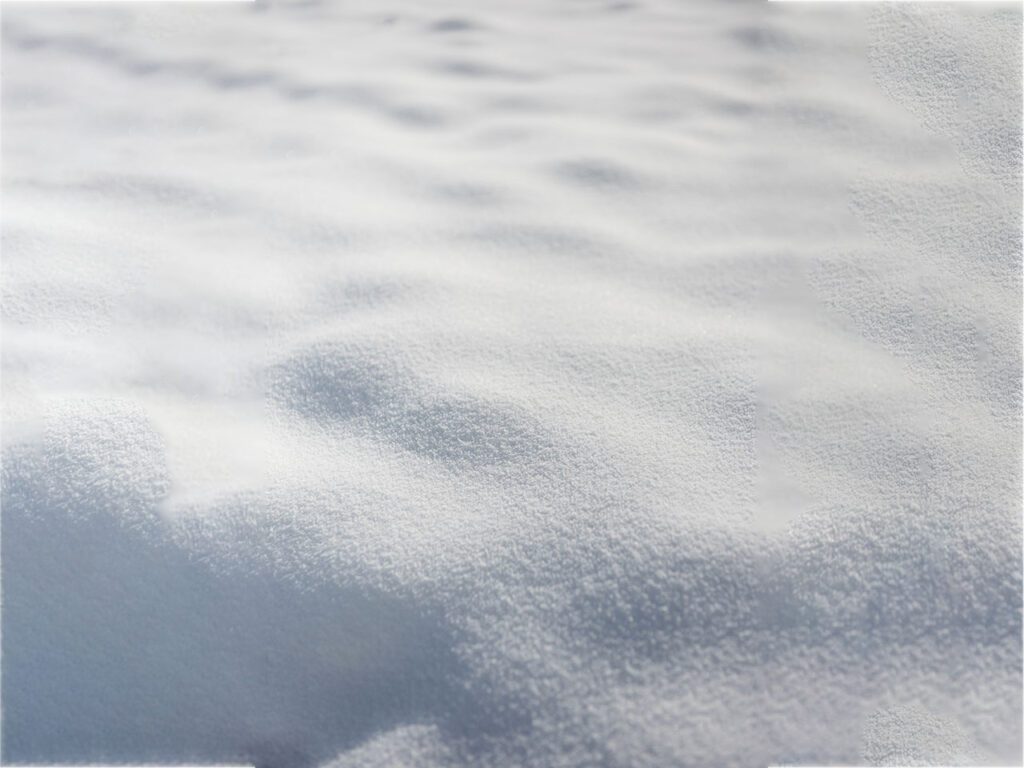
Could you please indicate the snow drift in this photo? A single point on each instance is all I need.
(533, 383)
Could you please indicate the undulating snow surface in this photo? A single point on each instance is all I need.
(522, 383)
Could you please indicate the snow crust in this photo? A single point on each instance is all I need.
(511, 383)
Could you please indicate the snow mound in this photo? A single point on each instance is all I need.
(416, 387)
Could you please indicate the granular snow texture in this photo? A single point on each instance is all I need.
(520, 383)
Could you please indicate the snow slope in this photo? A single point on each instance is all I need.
(548, 382)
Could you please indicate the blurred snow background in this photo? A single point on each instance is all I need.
(549, 382)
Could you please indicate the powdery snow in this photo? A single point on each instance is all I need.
(511, 383)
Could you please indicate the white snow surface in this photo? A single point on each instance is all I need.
(520, 383)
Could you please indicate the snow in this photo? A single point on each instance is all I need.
(511, 383)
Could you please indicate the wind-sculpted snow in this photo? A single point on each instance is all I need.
(505, 384)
